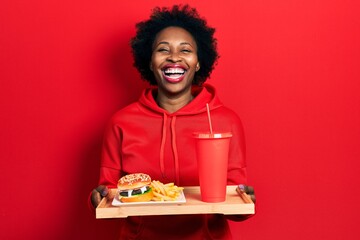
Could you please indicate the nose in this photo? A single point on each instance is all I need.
(174, 57)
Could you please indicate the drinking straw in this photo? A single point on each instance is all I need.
(209, 118)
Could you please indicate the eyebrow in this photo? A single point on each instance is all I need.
(167, 43)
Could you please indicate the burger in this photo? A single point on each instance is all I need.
(135, 188)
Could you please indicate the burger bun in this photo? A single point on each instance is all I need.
(134, 181)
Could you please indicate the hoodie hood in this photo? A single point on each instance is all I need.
(203, 95)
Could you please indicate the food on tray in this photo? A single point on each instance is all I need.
(138, 187)
(135, 188)
(165, 192)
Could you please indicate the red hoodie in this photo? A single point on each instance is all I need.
(143, 137)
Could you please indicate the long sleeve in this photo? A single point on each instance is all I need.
(110, 166)
(110, 159)
(237, 156)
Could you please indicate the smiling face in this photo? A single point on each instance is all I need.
(174, 61)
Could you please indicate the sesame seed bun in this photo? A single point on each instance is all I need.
(134, 181)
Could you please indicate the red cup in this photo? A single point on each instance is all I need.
(212, 153)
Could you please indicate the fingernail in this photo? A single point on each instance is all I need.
(242, 187)
(104, 192)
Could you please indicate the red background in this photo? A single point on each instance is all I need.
(289, 68)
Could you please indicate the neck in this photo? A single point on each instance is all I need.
(173, 103)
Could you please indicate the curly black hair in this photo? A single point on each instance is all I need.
(178, 16)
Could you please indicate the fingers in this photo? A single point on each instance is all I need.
(253, 198)
(248, 190)
(95, 198)
(97, 194)
(103, 190)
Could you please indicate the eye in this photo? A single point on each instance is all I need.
(186, 51)
(162, 50)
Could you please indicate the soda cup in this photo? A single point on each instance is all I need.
(212, 153)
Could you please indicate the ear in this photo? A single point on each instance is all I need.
(197, 66)
(150, 65)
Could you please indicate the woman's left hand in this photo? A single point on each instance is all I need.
(250, 193)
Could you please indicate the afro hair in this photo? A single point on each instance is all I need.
(177, 16)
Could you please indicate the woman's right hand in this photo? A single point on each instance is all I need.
(97, 194)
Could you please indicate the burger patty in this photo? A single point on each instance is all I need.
(132, 192)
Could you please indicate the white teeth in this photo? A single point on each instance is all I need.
(174, 71)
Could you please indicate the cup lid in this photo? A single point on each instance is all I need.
(213, 135)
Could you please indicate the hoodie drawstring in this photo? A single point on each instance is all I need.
(173, 146)
(162, 150)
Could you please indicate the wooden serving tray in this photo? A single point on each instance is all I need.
(233, 205)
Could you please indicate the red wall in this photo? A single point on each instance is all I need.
(289, 68)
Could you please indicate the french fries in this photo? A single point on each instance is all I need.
(165, 192)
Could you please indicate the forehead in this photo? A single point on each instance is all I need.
(175, 35)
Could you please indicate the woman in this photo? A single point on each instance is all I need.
(175, 51)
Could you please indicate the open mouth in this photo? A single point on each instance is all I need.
(174, 74)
